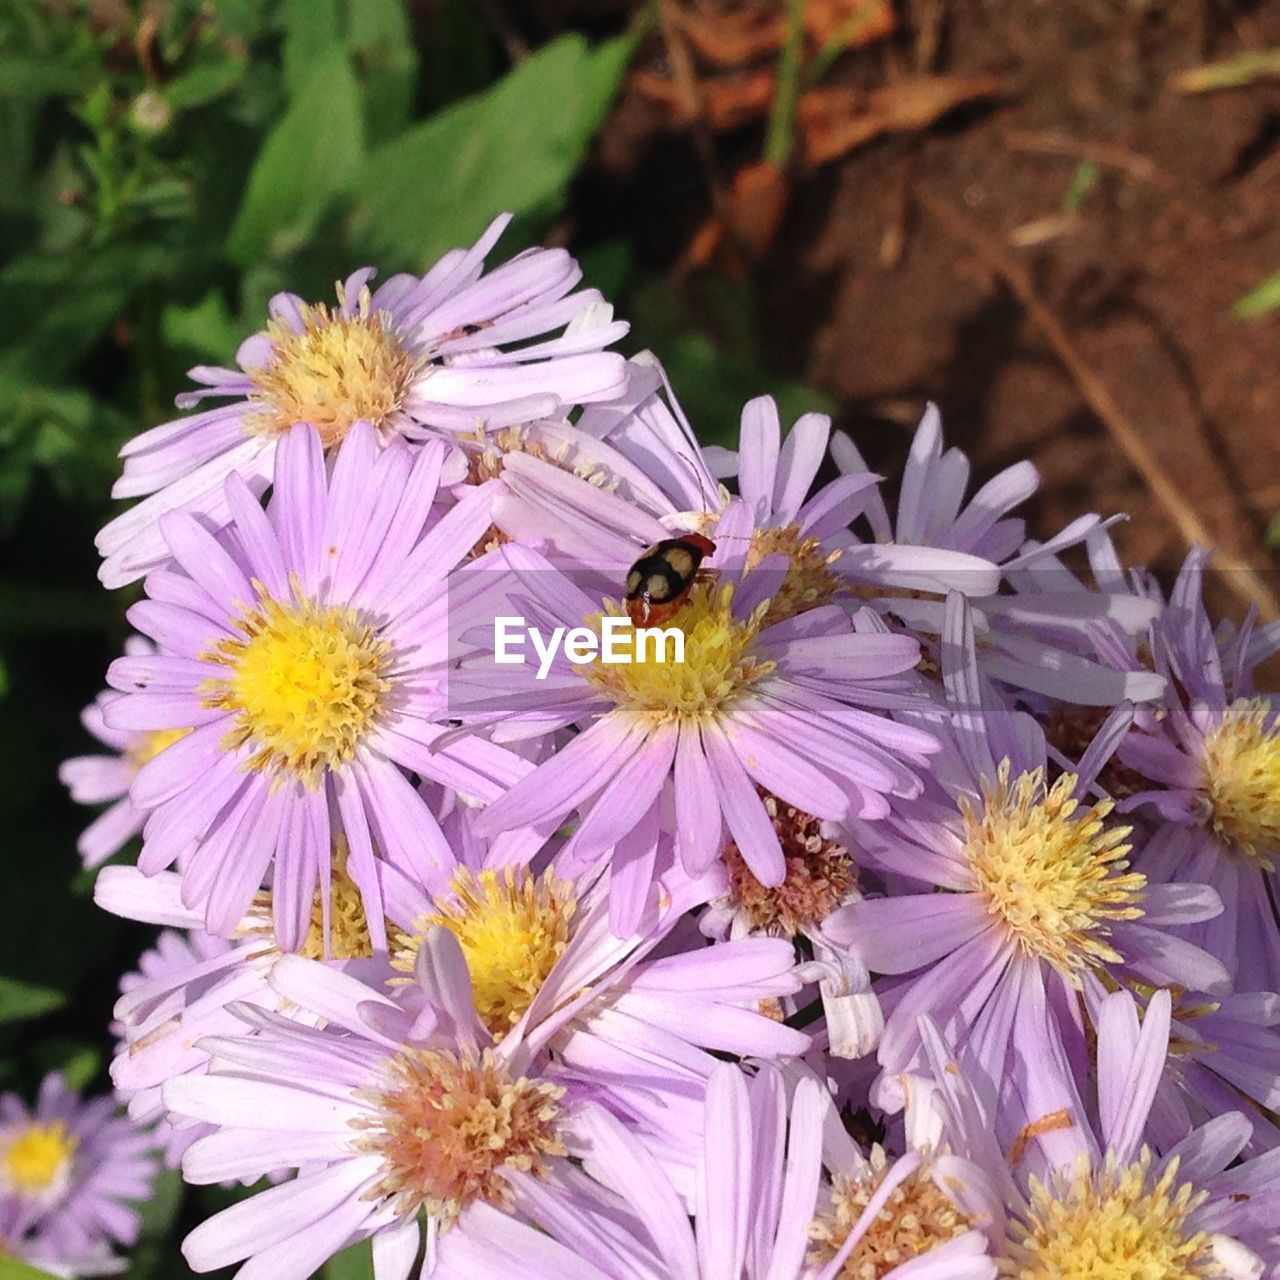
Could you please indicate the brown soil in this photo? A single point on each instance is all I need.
(1180, 222)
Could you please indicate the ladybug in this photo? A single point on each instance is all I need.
(659, 581)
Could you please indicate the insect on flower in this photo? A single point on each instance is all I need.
(662, 577)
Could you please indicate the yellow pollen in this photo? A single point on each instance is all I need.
(820, 875)
(718, 660)
(152, 744)
(487, 452)
(916, 1218)
(348, 925)
(1051, 873)
(34, 1159)
(338, 370)
(808, 581)
(1118, 1224)
(512, 927)
(1242, 779)
(448, 1126)
(307, 682)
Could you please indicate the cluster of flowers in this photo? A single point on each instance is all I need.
(919, 923)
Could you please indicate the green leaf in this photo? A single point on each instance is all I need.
(380, 39)
(309, 156)
(1273, 531)
(208, 328)
(313, 33)
(713, 385)
(205, 83)
(34, 79)
(514, 147)
(77, 1062)
(160, 1211)
(12, 1269)
(1257, 302)
(20, 1001)
(355, 1263)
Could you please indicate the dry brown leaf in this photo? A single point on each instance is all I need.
(727, 102)
(834, 122)
(826, 19)
(758, 201)
(745, 35)
(744, 228)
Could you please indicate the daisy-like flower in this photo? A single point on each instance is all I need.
(106, 779)
(786, 518)
(1214, 754)
(932, 510)
(783, 1194)
(453, 350)
(1024, 897)
(186, 985)
(1224, 1055)
(401, 1117)
(1042, 636)
(1079, 1197)
(789, 706)
(626, 1016)
(303, 649)
(177, 954)
(821, 877)
(72, 1174)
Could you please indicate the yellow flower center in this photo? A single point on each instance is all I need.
(38, 1155)
(448, 1126)
(487, 452)
(307, 683)
(820, 875)
(1242, 779)
(512, 927)
(151, 744)
(718, 660)
(917, 1217)
(808, 581)
(348, 925)
(1120, 1224)
(1051, 873)
(336, 371)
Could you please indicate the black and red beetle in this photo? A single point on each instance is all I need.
(659, 581)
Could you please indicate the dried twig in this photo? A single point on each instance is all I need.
(1235, 73)
(1103, 153)
(1245, 580)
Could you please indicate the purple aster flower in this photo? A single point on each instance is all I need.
(454, 350)
(821, 877)
(788, 706)
(1041, 636)
(1023, 897)
(1224, 1055)
(804, 527)
(106, 779)
(302, 650)
(1214, 755)
(176, 954)
(783, 1194)
(1081, 1195)
(400, 1116)
(932, 510)
(72, 1173)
